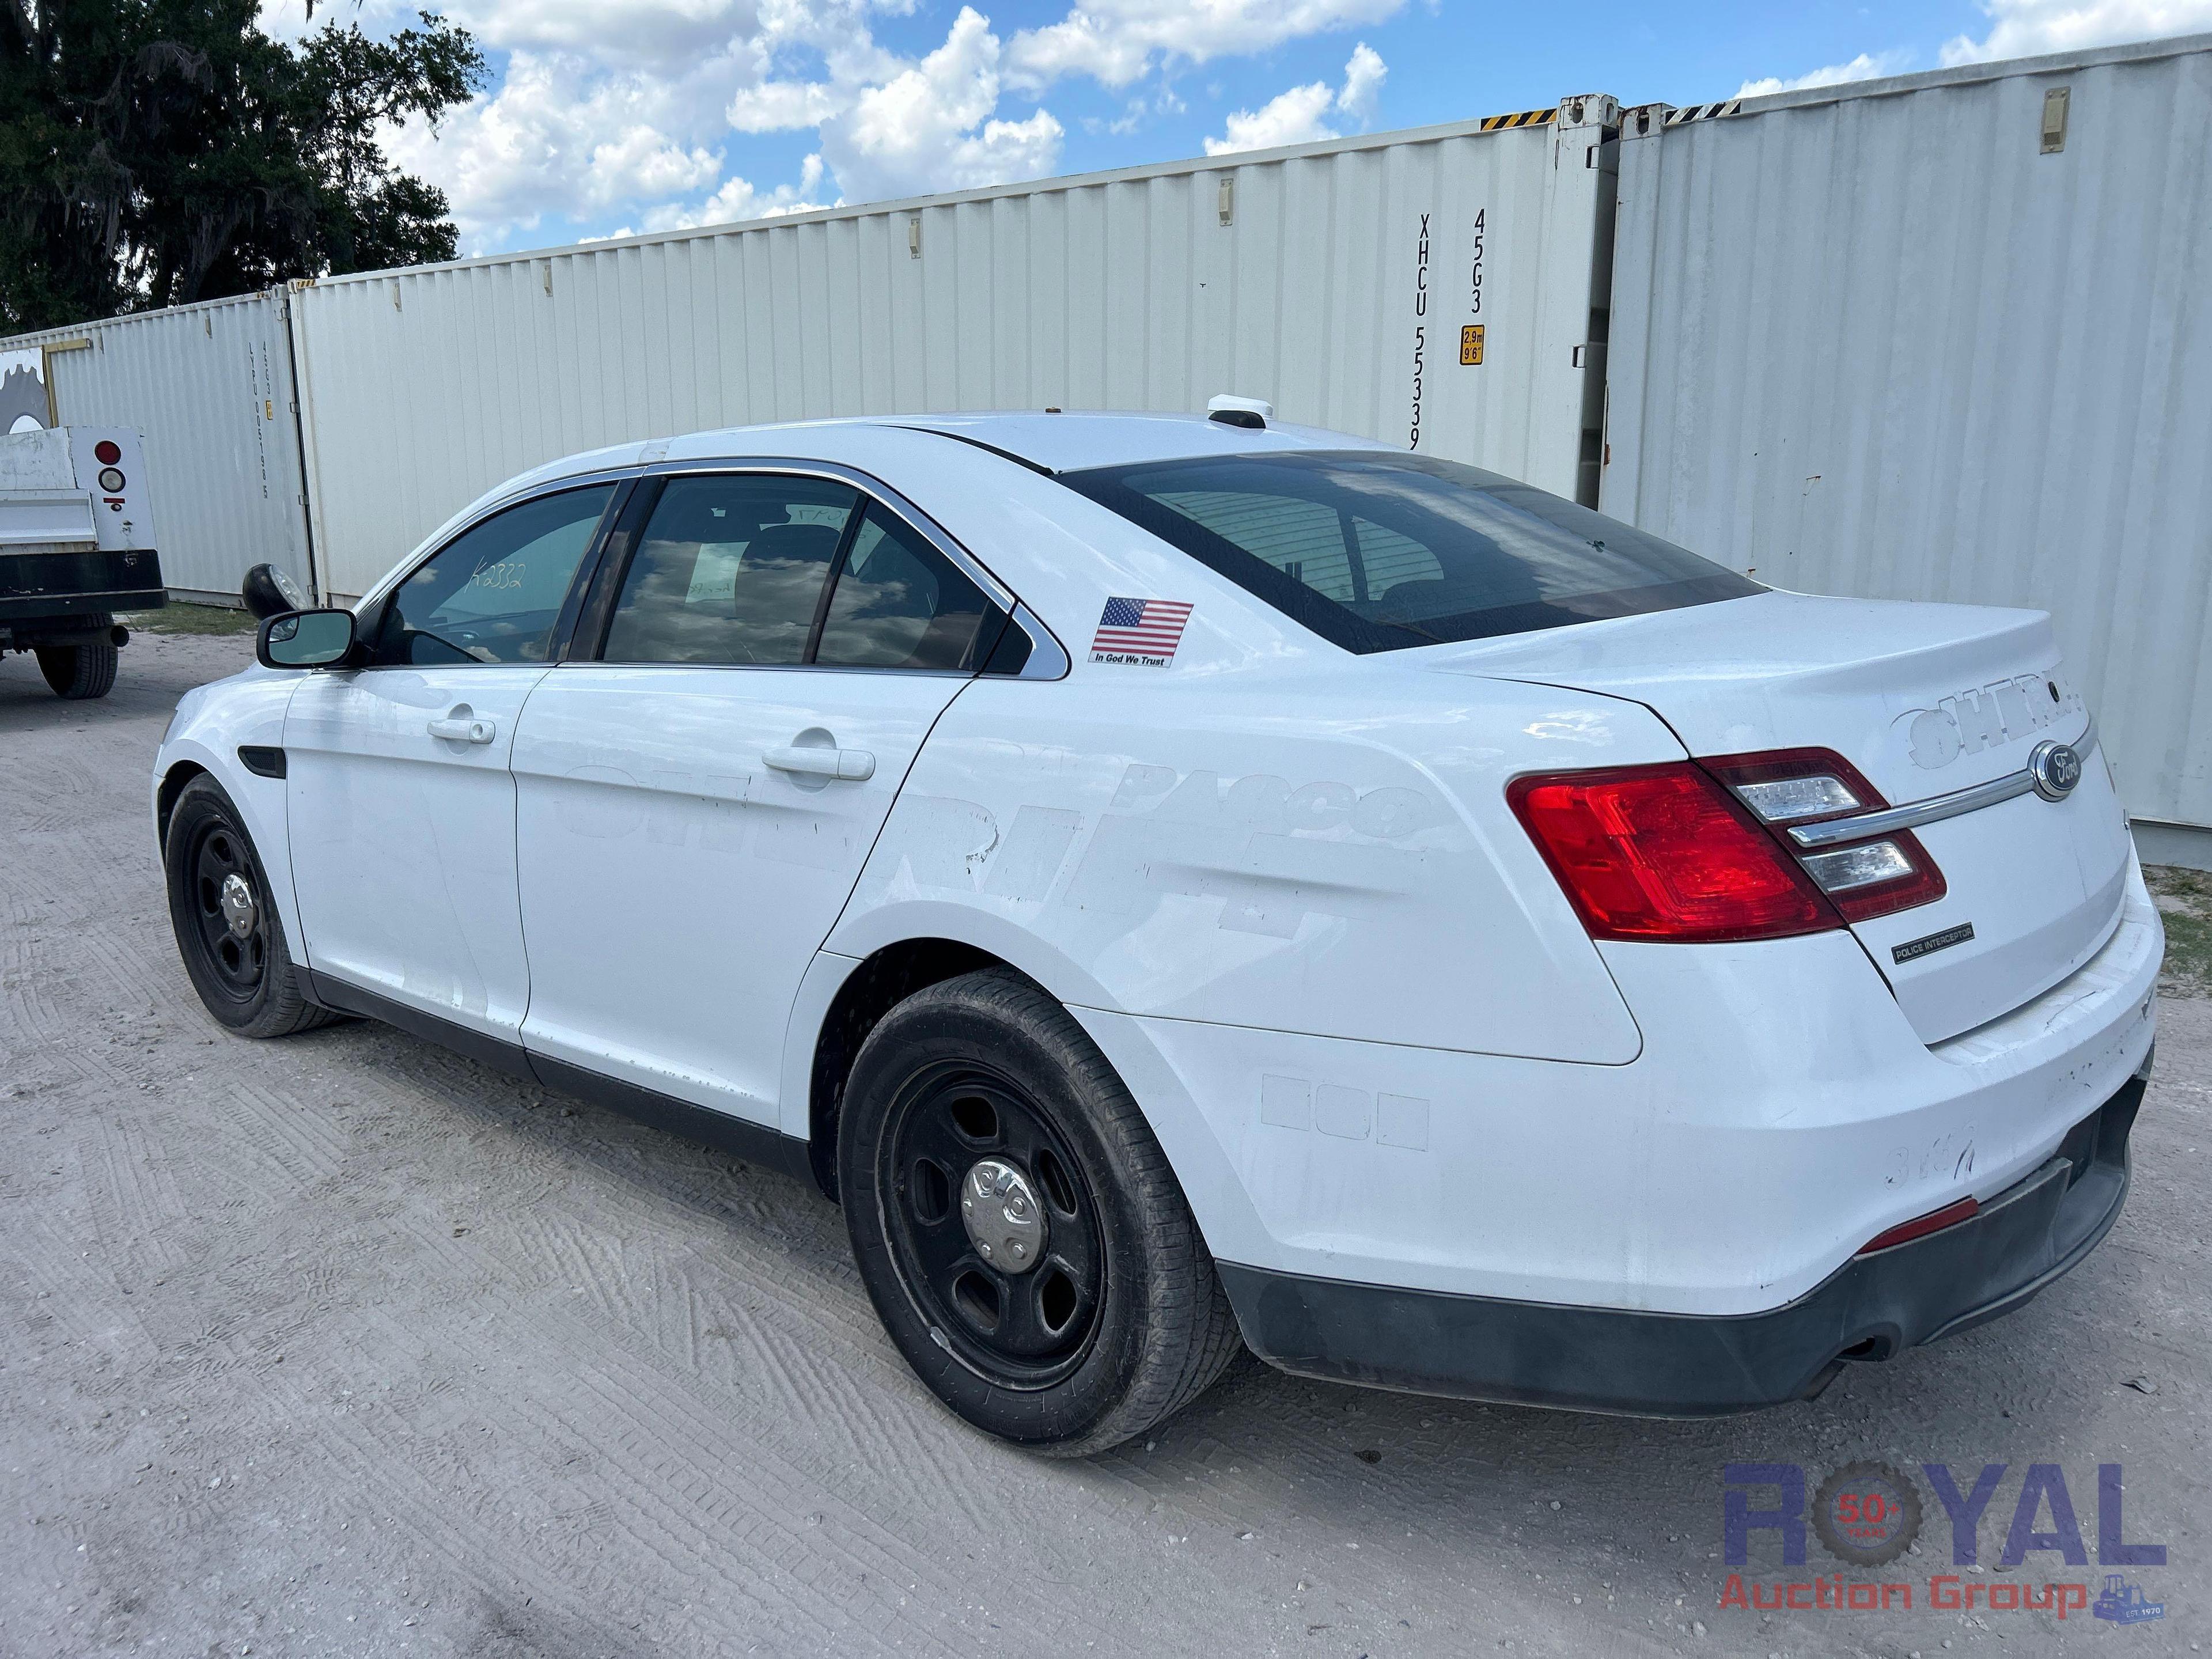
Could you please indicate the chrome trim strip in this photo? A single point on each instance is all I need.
(1866, 826)
(424, 552)
(1048, 659)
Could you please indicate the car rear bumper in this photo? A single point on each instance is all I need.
(1663, 1364)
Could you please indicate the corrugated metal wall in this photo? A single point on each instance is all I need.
(1870, 339)
(1120, 291)
(1875, 341)
(209, 388)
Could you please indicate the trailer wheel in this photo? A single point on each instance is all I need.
(78, 672)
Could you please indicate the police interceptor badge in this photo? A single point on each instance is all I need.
(1141, 632)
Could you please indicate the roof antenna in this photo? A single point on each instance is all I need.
(1252, 413)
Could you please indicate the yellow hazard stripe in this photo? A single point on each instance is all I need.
(1527, 118)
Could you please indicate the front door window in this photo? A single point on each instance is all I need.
(494, 592)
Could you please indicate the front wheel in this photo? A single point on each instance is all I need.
(226, 928)
(1019, 1228)
(78, 672)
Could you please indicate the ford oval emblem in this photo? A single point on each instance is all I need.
(2056, 767)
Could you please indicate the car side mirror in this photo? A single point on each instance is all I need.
(268, 592)
(305, 639)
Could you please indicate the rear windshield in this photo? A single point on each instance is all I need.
(1375, 550)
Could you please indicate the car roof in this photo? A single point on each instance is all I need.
(1037, 438)
(1058, 442)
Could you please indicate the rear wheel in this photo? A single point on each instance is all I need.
(228, 931)
(78, 672)
(1019, 1228)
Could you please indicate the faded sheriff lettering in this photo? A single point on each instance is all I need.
(1984, 717)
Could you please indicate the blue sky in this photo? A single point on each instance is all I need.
(610, 117)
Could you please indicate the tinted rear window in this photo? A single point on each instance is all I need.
(1377, 552)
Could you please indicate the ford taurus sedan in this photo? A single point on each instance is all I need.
(1181, 882)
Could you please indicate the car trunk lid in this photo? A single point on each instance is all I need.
(1925, 700)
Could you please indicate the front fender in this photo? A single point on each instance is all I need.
(212, 723)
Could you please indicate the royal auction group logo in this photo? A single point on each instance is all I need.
(1867, 1514)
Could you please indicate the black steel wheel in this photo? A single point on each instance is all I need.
(992, 1228)
(230, 910)
(228, 930)
(1018, 1226)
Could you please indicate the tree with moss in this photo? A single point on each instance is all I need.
(157, 152)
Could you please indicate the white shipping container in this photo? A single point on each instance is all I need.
(1334, 280)
(1947, 336)
(209, 389)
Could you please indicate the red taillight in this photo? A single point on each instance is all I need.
(1665, 852)
(1921, 1225)
(108, 451)
(1863, 879)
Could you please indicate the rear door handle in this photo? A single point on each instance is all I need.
(850, 765)
(463, 729)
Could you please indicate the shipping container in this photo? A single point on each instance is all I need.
(208, 388)
(1442, 288)
(1947, 336)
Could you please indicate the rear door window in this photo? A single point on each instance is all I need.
(1376, 550)
(731, 570)
(899, 603)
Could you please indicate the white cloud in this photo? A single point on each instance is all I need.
(780, 107)
(1118, 41)
(646, 131)
(556, 139)
(1867, 66)
(640, 114)
(2028, 28)
(737, 200)
(1297, 116)
(640, 162)
(1288, 118)
(1363, 83)
(891, 127)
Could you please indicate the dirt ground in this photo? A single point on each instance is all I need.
(343, 1344)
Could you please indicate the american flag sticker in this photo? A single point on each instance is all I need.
(1144, 632)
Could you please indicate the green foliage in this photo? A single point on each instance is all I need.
(156, 152)
(2184, 903)
(176, 618)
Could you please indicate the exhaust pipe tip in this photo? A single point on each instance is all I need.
(118, 635)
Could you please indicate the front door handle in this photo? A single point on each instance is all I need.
(463, 728)
(849, 765)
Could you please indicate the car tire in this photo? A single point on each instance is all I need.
(231, 937)
(1118, 1319)
(78, 672)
